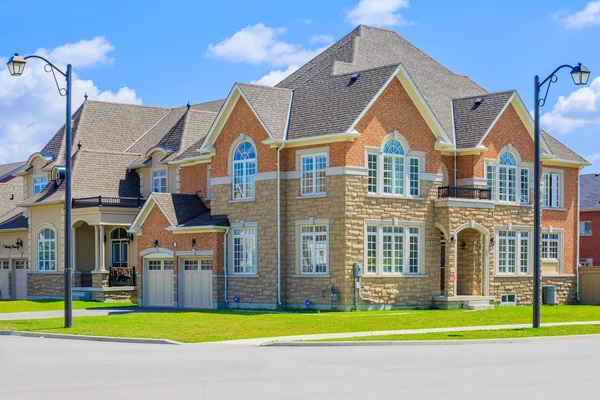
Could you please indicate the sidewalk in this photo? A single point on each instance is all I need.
(60, 313)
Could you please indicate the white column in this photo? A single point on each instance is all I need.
(97, 249)
(102, 250)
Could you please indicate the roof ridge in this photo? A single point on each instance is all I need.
(97, 151)
(370, 69)
(484, 95)
(264, 86)
(149, 130)
(202, 111)
(130, 104)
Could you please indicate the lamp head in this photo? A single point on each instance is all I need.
(16, 65)
(580, 74)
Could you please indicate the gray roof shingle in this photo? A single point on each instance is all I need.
(187, 210)
(6, 170)
(272, 106)
(560, 150)
(15, 219)
(11, 194)
(590, 192)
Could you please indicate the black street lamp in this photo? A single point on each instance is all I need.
(16, 66)
(580, 75)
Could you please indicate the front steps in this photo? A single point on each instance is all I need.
(467, 302)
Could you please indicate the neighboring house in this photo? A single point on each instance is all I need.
(371, 177)
(589, 220)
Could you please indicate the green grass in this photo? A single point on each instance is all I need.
(11, 306)
(497, 334)
(191, 326)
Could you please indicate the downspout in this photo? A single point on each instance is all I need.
(279, 223)
(225, 266)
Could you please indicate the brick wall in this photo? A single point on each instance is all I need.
(589, 246)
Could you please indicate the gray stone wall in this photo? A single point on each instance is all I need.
(45, 284)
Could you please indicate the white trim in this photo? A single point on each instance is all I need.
(196, 229)
(471, 182)
(314, 140)
(157, 252)
(230, 257)
(518, 237)
(428, 176)
(467, 203)
(195, 253)
(324, 152)
(136, 225)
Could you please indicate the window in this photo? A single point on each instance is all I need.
(585, 228)
(313, 174)
(4, 265)
(313, 249)
(159, 181)
(244, 251)
(392, 172)
(586, 262)
(509, 299)
(39, 184)
(244, 169)
(552, 193)
(550, 246)
(513, 252)
(195, 265)
(392, 249)
(506, 181)
(47, 250)
(119, 242)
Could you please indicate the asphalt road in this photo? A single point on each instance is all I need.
(33, 368)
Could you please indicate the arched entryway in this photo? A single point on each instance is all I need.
(471, 260)
(85, 241)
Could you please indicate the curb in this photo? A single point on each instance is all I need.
(88, 338)
(376, 343)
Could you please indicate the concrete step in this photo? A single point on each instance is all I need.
(81, 295)
(477, 305)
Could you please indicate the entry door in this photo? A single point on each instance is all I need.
(4, 277)
(21, 267)
(159, 283)
(197, 283)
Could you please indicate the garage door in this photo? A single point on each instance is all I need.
(4, 269)
(159, 283)
(20, 289)
(197, 283)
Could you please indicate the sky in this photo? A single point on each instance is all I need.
(168, 53)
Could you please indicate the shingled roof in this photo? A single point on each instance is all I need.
(590, 192)
(187, 210)
(11, 194)
(272, 106)
(14, 219)
(6, 170)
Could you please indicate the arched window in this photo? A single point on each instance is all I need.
(506, 181)
(47, 250)
(119, 242)
(244, 168)
(393, 172)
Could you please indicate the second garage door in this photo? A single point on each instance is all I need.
(197, 283)
(159, 283)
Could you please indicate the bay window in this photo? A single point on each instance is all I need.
(392, 249)
(392, 172)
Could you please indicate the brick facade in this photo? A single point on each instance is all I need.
(589, 246)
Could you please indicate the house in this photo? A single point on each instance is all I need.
(372, 177)
(589, 217)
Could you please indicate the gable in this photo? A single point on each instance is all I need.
(148, 213)
(509, 129)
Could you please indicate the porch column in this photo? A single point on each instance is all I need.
(97, 249)
(102, 250)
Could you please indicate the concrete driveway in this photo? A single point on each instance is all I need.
(32, 368)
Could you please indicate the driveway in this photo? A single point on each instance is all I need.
(33, 368)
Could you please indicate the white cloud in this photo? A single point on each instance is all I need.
(379, 13)
(579, 109)
(260, 44)
(31, 110)
(589, 16)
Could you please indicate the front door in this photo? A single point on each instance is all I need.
(21, 267)
(159, 283)
(4, 277)
(197, 283)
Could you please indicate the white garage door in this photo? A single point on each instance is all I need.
(159, 283)
(197, 283)
(20, 288)
(4, 269)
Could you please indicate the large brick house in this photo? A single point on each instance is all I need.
(371, 177)
(589, 220)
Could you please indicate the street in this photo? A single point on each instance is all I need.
(32, 368)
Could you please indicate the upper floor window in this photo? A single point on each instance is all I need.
(244, 169)
(39, 184)
(585, 228)
(552, 190)
(507, 181)
(313, 174)
(550, 246)
(159, 181)
(392, 172)
(47, 250)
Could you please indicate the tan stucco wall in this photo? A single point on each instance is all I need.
(10, 238)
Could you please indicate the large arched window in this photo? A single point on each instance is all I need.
(244, 169)
(393, 172)
(508, 181)
(119, 242)
(47, 250)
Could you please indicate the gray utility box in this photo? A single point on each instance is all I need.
(549, 295)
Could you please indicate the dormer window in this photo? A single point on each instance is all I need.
(507, 180)
(39, 184)
(159, 181)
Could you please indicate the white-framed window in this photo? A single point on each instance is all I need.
(119, 246)
(586, 262)
(585, 228)
(392, 171)
(5, 264)
(512, 254)
(507, 181)
(312, 181)
(159, 181)
(244, 169)
(46, 250)
(39, 184)
(244, 251)
(393, 249)
(160, 265)
(508, 299)
(550, 246)
(314, 248)
(552, 190)
(208, 172)
(197, 265)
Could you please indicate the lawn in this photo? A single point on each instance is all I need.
(498, 334)
(11, 306)
(206, 326)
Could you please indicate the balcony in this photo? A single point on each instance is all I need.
(126, 202)
(460, 192)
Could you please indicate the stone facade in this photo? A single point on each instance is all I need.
(45, 285)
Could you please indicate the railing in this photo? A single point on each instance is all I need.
(131, 202)
(463, 193)
(121, 276)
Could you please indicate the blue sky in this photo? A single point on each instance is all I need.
(166, 53)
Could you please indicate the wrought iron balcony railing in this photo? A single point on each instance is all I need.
(131, 202)
(460, 192)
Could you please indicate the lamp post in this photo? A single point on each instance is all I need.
(16, 66)
(580, 75)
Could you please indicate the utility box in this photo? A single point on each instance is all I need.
(358, 269)
(549, 295)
